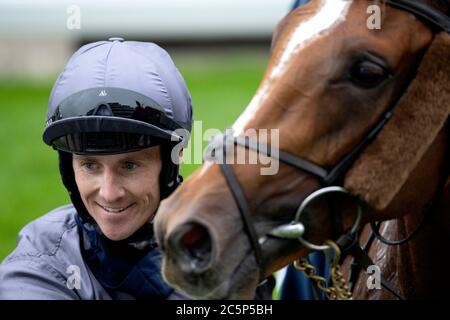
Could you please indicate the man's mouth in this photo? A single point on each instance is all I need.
(115, 210)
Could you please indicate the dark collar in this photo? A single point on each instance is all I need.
(127, 266)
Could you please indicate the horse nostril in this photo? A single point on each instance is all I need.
(195, 237)
(193, 246)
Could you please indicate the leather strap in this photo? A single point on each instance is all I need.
(423, 11)
(244, 210)
(348, 244)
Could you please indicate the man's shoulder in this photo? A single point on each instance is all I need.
(44, 236)
(48, 253)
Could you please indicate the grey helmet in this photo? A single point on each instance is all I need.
(117, 96)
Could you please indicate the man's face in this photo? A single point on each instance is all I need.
(121, 191)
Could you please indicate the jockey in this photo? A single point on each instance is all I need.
(114, 116)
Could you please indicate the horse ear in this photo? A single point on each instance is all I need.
(421, 113)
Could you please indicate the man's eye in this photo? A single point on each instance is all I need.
(89, 165)
(130, 165)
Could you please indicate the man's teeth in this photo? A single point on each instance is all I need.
(115, 210)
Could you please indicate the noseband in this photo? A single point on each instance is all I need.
(328, 178)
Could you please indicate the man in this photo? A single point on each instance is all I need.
(114, 116)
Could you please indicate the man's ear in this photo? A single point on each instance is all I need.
(180, 156)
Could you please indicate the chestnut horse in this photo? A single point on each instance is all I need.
(329, 90)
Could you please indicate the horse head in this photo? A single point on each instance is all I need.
(329, 84)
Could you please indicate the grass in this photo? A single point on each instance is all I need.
(221, 86)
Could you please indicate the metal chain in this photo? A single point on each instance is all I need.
(311, 273)
(339, 289)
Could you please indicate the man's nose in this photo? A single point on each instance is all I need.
(111, 188)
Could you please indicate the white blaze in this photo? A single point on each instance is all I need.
(328, 16)
(205, 166)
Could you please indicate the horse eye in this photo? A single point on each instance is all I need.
(367, 74)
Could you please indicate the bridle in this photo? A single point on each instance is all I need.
(423, 11)
(327, 178)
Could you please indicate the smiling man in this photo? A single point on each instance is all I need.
(119, 191)
(113, 116)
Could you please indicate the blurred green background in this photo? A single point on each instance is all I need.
(221, 84)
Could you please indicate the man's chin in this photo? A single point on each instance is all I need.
(115, 230)
(115, 235)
